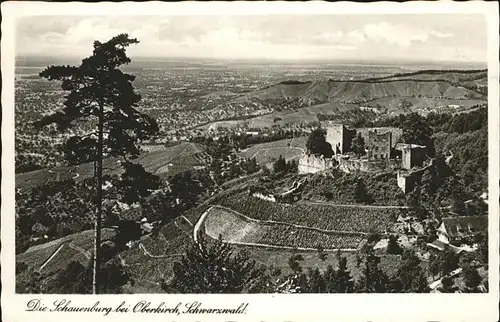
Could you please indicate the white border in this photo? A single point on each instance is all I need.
(351, 307)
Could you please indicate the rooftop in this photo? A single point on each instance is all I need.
(465, 226)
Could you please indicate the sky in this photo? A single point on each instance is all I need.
(450, 37)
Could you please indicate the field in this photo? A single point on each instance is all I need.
(265, 153)
(422, 103)
(151, 258)
(235, 228)
(423, 90)
(361, 91)
(278, 258)
(163, 162)
(50, 257)
(328, 217)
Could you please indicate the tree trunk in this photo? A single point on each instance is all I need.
(98, 220)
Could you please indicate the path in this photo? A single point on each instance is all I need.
(146, 252)
(52, 256)
(200, 223)
(122, 261)
(84, 252)
(289, 247)
(182, 229)
(434, 285)
(189, 221)
(353, 205)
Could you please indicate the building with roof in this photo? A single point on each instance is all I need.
(457, 229)
(441, 246)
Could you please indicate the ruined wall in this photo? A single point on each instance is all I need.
(379, 145)
(309, 163)
(396, 132)
(406, 159)
(408, 179)
(334, 136)
(263, 197)
(402, 182)
(349, 166)
(340, 137)
(352, 165)
(412, 157)
(417, 157)
(347, 139)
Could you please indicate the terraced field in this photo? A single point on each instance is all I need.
(265, 153)
(151, 259)
(57, 254)
(165, 161)
(328, 217)
(237, 229)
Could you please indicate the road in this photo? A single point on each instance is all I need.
(434, 285)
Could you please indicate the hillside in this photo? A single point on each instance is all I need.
(265, 153)
(453, 76)
(162, 162)
(279, 230)
(357, 92)
(236, 228)
(328, 216)
(340, 100)
(49, 258)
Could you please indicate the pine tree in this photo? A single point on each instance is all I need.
(280, 165)
(317, 144)
(343, 279)
(185, 188)
(410, 274)
(361, 192)
(214, 267)
(447, 285)
(137, 183)
(102, 95)
(329, 278)
(472, 280)
(373, 279)
(293, 263)
(393, 246)
(316, 282)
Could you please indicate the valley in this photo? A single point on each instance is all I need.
(217, 157)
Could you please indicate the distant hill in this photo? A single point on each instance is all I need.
(444, 85)
(420, 91)
(433, 75)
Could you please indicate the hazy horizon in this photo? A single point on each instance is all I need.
(32, 60)
(432, 38)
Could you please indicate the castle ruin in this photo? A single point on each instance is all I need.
(340, 137)
(384, 153)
